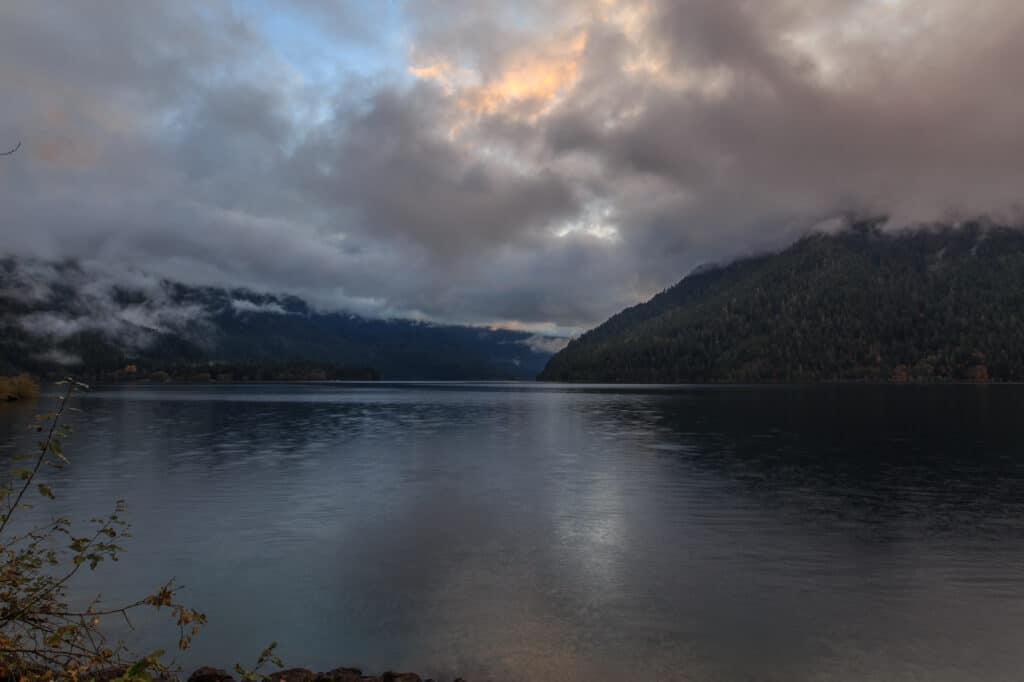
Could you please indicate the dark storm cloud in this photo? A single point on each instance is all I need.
(394, 165)
(541, 163)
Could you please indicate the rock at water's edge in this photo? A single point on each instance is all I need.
(341, 675)
(208, 674)
(292, 675)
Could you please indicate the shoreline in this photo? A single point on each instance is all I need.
(208, 674)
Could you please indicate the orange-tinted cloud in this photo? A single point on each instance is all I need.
(527, 85)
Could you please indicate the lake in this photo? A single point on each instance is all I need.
(547, 532)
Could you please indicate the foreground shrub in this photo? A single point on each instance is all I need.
(43, 635)
(18, 387)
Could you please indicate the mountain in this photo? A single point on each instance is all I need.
(62, 317)
(930, 304)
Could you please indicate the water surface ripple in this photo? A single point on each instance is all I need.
(520, 531)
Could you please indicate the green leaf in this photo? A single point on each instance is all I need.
(268, 652)
(57, 449)
(45, 491)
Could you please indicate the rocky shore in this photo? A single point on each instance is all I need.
(304, 675)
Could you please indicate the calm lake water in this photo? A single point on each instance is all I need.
(520, 531)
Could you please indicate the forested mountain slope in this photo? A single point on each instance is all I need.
(59, 317)
(936, 304)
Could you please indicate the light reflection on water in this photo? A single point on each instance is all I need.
(511, 531)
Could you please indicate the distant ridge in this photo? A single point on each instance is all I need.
(930, 304)
(58, 317)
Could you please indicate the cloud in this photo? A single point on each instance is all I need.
(547, 162)
(80, 298)
(545, 344)
(246, 306)
(59, 357)
(395, 168)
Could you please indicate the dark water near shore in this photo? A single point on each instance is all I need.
(514, 531)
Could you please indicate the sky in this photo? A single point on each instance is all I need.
(538, 164)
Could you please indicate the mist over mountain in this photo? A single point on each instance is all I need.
(936, 304)
(64, 317)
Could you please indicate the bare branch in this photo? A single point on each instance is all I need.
(11, 151)
(44, 449)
